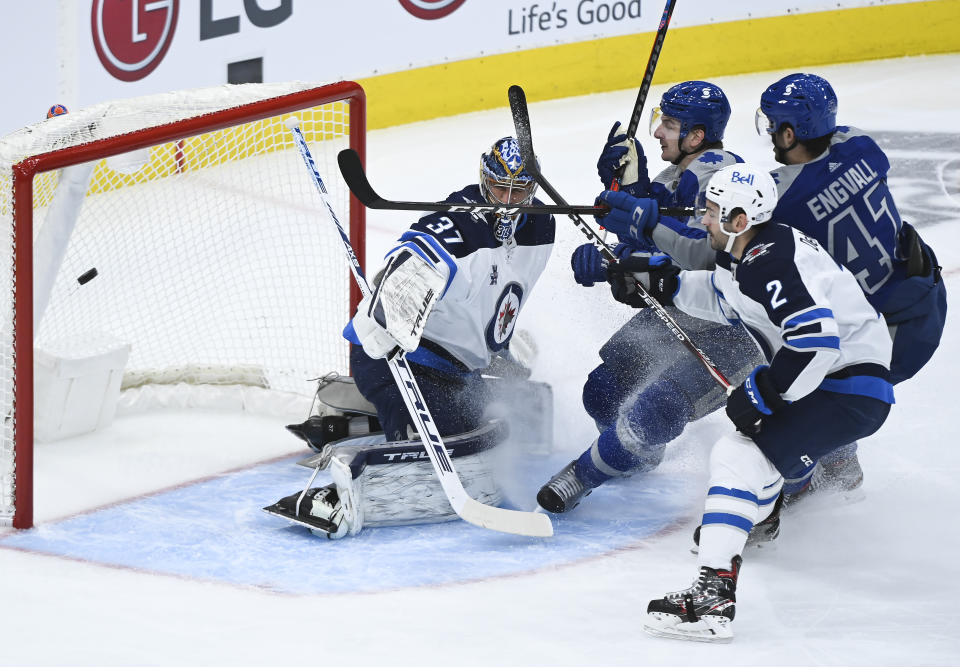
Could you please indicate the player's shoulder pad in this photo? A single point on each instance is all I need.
(458, 232)
(536, 228)
(712, 161)
(769, 254)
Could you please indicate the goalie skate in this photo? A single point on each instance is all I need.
(338, 411)
(318, 509)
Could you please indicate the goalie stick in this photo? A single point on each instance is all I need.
(356, 178)
(647, 79)
(495, 518)
(521, 122)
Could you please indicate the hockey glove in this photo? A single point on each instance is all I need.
(622, 153)
(629, 217)
(752, 400)
(658, 277)
(588, 265)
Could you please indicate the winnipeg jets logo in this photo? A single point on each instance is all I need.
(505, 318)
(755, 252)
(500, 327)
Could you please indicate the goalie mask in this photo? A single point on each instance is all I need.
(741, 188)
(504, 180)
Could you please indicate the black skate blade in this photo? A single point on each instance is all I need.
(306, 521)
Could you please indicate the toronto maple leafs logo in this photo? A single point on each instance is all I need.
(508, 152)
(756, 251)
(501, 325)
(711, 158)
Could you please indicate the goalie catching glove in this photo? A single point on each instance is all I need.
(393, 317)
(654, 273)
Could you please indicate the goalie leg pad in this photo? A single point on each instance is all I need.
(393, 483)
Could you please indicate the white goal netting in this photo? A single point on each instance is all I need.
(213, 259)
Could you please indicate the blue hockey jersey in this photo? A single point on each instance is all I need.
(842, 200)
(684, 238)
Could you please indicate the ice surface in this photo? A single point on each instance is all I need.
(152, 549)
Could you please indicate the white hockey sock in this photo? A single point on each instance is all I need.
(742, 489)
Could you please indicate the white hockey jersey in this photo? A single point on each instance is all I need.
(807, 314)
(488, 282)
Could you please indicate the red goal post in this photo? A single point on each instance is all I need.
(213, 260)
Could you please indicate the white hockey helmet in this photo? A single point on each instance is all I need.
(742, 187)
(745, 187)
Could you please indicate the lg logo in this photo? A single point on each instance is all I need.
(431, 9)
(131, 37)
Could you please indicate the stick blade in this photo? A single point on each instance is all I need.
(356, 178)
(530, 524)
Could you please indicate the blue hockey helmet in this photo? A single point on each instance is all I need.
(503, 175)
(694, 103)
(805, 101)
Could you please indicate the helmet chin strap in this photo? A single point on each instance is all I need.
(731, 239)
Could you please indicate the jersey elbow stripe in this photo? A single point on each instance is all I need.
(813, 342)
(808, 316)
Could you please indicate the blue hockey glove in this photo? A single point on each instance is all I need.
(629, 217)
(621, 152)
(752, 400)
(588, 265)
(656, 274)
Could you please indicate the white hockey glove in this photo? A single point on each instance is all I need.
(397, 311)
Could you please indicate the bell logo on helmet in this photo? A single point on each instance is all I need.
(132, 37)
(737, 177)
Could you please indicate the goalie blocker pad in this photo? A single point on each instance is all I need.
(382, 483)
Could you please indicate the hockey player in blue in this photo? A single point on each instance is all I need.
(648, 388)
(833, 187)
(826, 381)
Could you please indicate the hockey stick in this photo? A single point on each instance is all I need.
(356, 178)
(647, 79)
(521, 122)
(495, 518)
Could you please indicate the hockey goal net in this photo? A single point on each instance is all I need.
(183, 229)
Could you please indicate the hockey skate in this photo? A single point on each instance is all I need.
(338, 411)
(766, 531)
(563, 492)
(704, 612)
(841, 475)
(318, 509)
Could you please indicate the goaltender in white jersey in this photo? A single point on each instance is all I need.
(449, 296)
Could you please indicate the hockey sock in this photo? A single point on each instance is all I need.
(742, 491)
